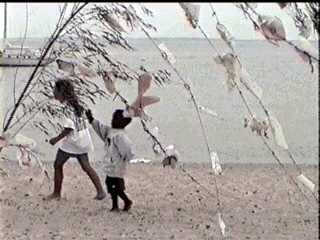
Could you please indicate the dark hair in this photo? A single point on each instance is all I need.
(124, 121)
(66, 87)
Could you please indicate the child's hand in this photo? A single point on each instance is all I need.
(89, 115)
(53, 141)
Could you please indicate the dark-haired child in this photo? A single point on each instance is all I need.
(74, 140)
(117, 154)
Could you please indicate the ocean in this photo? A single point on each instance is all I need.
(290, 94)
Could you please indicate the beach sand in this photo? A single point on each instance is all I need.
(258, 201)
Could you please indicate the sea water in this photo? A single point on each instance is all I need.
(290, 94)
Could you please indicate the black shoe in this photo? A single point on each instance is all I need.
(127, 206)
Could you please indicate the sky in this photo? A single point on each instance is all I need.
(168, 19)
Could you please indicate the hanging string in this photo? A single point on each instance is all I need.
(145, 128)
(256, 26)
(187, 86)
(45, 52)
(267, 113)
(260, 102)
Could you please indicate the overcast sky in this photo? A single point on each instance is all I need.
(168, 19)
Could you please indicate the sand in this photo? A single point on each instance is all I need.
(258, 201)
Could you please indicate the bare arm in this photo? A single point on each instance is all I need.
(63, 134)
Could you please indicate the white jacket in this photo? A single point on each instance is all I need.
(117, 149)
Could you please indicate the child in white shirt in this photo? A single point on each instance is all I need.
(74, 140)
(117, 154)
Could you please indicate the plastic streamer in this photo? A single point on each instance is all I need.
(166, 53)
(216, 163)
(136, 109)
(75, 69)
(226, 35)
(306, 182)
(251, 85)
(192, 12)
(273, 30)
(26, 149)
(278, 133)
(113, 22)
(222, 225)
(187, 86)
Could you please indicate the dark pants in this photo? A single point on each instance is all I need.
(116, 188)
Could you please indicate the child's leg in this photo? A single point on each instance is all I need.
(123, 196)
(61, 158)
(111, 186)
(127, 201)
(84, 162)
(115, 206)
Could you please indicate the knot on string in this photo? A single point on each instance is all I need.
(164, 55)
(187, 87)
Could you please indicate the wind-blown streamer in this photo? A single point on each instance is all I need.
(75, 69)
(228, 60)
(144, 83)
(109, 82)
(21, 140)
(226, 35)
(306, 28)
(216, 166)
(66, 66)
(113, 21)
(251, 85)
(306, 182)
(141, 102)
(222, 225)
(155, 146)
(136, 109)
(208, 111)
(85, 71)
(25, 151)
(272, 28)
(306, 50)
(259, 127)
(166, 53)
(202, 127)
(192, 12)
(278, 133)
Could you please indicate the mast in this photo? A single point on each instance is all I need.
(5, 21)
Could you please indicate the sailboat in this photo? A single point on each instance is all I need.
(19, 56)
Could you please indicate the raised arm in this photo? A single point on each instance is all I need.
(101, 129)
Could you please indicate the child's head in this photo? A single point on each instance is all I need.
(64, 90)
(118, 121)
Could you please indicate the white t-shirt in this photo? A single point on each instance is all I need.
(79, 140)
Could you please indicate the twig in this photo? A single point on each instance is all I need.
(47, 48)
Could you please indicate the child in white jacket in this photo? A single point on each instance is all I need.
(117, 154)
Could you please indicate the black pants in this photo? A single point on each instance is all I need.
(115, 184)
(116, 188)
